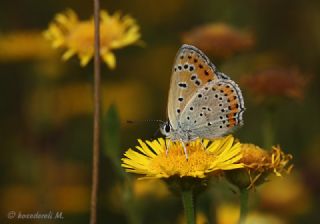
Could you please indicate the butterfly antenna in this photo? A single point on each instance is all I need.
(149, 120)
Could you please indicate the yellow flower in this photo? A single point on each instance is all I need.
(200, 219)
(257, 159)
(59, 104)
(227, 213)
(205, 157)
(152, 187)
(116, 31)
(24, 45)
(286, 196)
(258, 163)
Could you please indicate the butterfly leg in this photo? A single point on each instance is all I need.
(185, 149)
(167, 148)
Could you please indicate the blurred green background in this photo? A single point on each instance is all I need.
(46, 109)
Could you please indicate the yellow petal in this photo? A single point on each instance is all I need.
(109, 59)
(84, 59)
(156, 146)
(67, 19)
(68, 54)
(104, 15)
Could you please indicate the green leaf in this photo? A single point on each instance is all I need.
(111, 136)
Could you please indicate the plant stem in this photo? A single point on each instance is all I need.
(96, 115)
(244, 195)
(188, 204)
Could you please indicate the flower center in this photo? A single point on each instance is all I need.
(176, 163)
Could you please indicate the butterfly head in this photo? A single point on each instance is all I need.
(166, 129)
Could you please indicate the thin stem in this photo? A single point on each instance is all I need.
(188, 204)
(244, 196)
(96, 116)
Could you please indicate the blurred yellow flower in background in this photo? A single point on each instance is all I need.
(61, 103)
(219, 39)
(228, 213)
(65, 180)
(205, 157)
(26, 196)
(200, 219)
(69, 198)
(258, 163)
(77, 37)
(24, 45)
(286, 196)
(152, 187)
(120, 195)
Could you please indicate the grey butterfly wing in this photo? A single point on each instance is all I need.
(191, 71)
(214, 110)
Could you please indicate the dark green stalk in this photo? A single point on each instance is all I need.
(188, 205)
(244, 196)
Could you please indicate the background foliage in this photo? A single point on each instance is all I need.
(46, 109)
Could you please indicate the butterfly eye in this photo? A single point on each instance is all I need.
(165, 129)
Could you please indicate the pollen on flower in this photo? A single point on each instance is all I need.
(255, 157)
(204, 157)
(77, 37)
(176, 160)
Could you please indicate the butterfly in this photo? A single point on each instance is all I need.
(203, 102)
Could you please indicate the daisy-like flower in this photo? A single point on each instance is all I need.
(205, 157)
(258, 164)
(219, 39)
(77, 37)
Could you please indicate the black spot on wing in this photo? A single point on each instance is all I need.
(182, 85)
